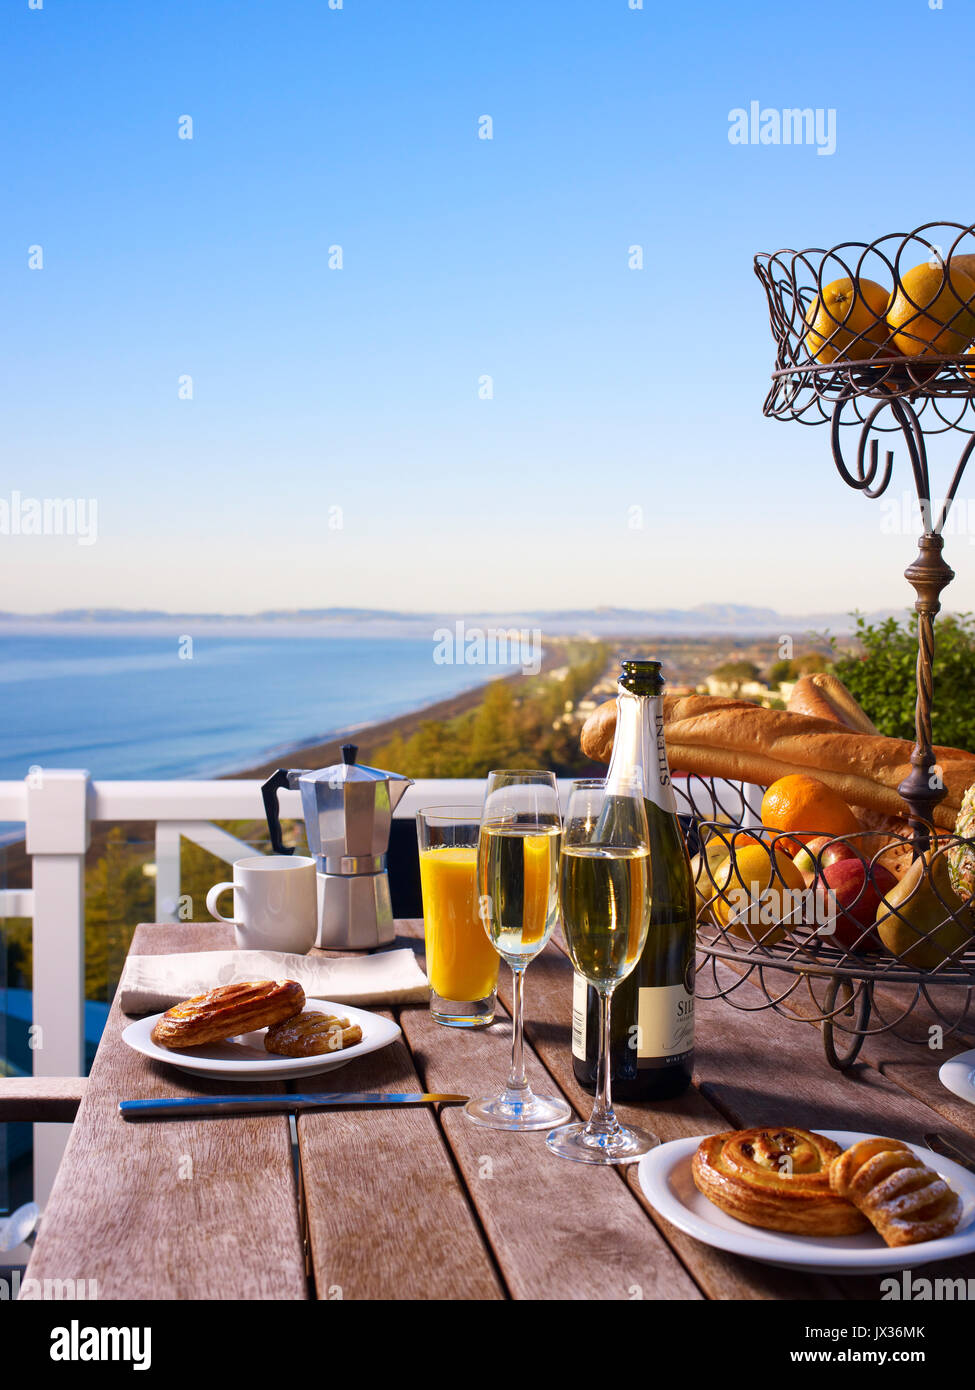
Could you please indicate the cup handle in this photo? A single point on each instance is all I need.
(212, 897)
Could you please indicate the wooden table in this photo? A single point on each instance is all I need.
(407, 1203)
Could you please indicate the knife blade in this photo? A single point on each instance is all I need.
(940, 1144)
(179, 1107)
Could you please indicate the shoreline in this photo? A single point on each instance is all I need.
(366, 736)
(372, 735)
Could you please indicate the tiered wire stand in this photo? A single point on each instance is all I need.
(868, 395)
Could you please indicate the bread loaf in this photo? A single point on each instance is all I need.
(744, 742)
(824, 696)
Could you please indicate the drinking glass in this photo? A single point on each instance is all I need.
(604, 894)
(517, 877)
(462, 965)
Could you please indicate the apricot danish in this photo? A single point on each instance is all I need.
(230, 1009)
(311, 1033)
(777, 1179)
(902, 1198)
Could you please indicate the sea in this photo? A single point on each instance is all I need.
(150, 705)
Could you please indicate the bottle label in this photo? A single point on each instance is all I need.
(580, 1002)
(656, 778)
(665, 1024)
(640, 748)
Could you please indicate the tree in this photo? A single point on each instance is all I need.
(809, 663)
(882, 677)
(117, 896)
(780, 671)
(736, 673)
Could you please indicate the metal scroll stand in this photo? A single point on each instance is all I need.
(926, 394)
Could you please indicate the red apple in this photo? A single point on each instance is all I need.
(827, 850)
(846, 891)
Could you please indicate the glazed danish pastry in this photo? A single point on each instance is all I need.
(777, 1179)
(311, 1033)
(903, 1199)
(230, 1009)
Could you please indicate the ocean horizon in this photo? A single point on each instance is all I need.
(154, 705)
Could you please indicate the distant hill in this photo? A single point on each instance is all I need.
(703, 619)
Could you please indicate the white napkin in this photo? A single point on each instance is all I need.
(150, 984)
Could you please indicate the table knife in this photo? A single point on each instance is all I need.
(941, 1144)
(177, 1107)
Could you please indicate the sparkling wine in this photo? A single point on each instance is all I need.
(605, 897)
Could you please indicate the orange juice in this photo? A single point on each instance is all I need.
(461, 962)
(538, 886)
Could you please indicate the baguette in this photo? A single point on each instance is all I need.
(744, 742)
(824, 696)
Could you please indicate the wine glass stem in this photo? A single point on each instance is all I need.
(517, 1079)
(603, 1118)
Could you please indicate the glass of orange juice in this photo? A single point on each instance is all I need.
(462, 964)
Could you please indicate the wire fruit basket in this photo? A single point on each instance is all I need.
(873, 338)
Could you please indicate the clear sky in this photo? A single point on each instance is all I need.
(336, 449)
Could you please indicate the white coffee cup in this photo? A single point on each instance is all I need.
(275, 903)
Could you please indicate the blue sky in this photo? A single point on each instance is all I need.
(357, 389)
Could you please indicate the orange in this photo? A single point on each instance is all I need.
(847, 320)
(808, 807)
(932, 310)
(760, 890)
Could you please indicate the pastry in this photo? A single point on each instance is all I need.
(903, 1199)
(744, 742)
(777, 1179)
(311, 1033)
(229, 1010)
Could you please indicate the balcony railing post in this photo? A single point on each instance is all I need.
(167, 871)
(57, 836)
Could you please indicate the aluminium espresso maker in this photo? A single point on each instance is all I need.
(348, 809)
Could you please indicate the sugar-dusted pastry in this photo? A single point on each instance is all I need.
(904, 1199)
(311, 1033)
(776, 1178)
(230, 1009)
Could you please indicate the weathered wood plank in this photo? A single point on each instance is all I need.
(913, 1065)
(720, 1275)
(558, 1230)
(177, 1209)
(525, 1196)
(40, 1099)
(388, 1217)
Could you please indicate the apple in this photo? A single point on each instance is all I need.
(826, 850)
(857, 899)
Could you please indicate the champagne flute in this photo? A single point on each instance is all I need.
(517, 875)
(604, 894)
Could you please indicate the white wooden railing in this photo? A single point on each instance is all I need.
(57, 809)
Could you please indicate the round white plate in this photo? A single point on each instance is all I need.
(665, 1176)
(243, 1058)
(959, 1075)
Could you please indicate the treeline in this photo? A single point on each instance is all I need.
(517, 724)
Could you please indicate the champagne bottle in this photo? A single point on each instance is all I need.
(652, 1042)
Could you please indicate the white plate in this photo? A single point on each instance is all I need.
(665, 1176)
(243, 1058)
(959, 1075)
